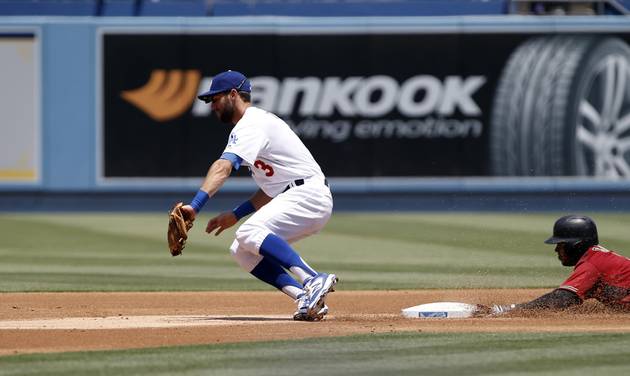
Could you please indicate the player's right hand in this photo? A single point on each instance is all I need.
(221, 222)
(481, 310)
(498, 309)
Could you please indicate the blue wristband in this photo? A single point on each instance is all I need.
(244, 209)
(199, 200)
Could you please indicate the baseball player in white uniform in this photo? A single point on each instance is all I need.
(293, 200)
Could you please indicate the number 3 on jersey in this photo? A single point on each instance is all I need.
(265, 167)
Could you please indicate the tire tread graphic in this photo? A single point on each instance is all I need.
(532, 107)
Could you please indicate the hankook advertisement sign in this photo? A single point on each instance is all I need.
(371, 105)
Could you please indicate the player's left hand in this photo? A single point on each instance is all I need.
(189, 212)
(221, 222)
(180, 221)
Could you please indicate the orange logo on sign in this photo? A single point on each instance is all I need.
(167, 94)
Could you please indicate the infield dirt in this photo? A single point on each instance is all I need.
(59, 322)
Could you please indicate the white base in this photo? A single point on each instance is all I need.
(447, 310)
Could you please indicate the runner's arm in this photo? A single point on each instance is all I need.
(557, 299)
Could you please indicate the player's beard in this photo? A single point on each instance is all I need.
(570, 254)
(227, 114)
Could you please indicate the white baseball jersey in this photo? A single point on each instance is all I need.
(274, 153)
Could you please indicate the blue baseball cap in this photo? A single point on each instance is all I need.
(226, 81)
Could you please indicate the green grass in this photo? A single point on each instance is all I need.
(393, 354)
(128, 252)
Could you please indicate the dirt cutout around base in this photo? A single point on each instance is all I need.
(59, 322)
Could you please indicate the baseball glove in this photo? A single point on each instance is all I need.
(178, 225)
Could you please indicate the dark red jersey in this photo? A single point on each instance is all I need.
(603, 275)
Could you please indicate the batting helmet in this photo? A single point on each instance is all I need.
(572, 229)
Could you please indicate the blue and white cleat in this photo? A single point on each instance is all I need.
(315, 291)
(302, 314)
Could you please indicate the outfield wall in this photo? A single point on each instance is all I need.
(71, 130)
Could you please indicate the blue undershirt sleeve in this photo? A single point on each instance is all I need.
(235, 159)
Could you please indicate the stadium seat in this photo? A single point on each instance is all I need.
(49, 7)
(165, 8)
(344, 8)
(124, 8)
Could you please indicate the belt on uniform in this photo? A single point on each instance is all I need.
(298, 182)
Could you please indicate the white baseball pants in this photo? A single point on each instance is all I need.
(292, 215)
